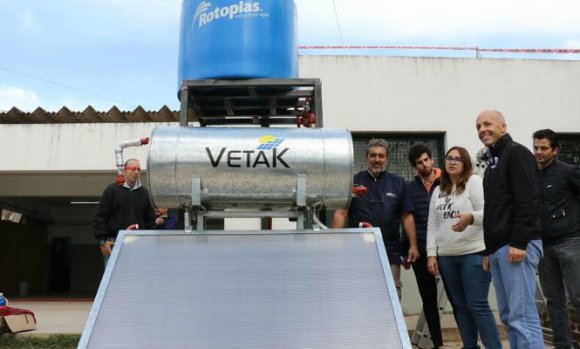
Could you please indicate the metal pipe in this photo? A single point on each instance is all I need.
(317, 220)
(119, 162)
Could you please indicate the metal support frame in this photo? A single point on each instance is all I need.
(421, 336)
(258, 102)
(542, 306)
(301, 213)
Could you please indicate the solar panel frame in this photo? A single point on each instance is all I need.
(302, 337)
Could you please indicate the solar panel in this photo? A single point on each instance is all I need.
(288, 289)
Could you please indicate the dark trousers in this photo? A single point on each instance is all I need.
(559, 272)
(428, 291)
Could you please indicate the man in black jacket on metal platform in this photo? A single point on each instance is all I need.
(510, 229)
(122, 206)
(559, 193)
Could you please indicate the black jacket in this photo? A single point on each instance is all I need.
(509, 183)
(421, 200)
(559, 196)
(121, 207)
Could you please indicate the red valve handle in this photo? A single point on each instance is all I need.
(359, 190)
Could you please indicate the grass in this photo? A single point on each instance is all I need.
(57, 341)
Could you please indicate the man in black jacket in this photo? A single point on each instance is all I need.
(511, 233)
(122, 206)
(420, 190)
(559, 191)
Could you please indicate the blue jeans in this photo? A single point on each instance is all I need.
(515, 287)
(467, 286)
(560, 268)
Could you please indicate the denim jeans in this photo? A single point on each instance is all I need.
(467, 286)
(515, 288)
(560, 268)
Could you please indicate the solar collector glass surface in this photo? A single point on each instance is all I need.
(244, 290)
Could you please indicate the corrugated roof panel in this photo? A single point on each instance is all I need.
(89, 115)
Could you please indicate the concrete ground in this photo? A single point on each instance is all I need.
(58, 316)
(69, 317)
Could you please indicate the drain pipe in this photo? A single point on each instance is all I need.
(315, 208)
(119, 156)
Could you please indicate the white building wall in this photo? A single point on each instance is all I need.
(70, 147)
(402, 94)
(386, 94)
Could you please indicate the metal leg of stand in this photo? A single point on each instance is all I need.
(187, 220)
(542, 307)
(421, 336)
(421, 333)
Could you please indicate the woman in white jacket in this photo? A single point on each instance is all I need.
(455, 248)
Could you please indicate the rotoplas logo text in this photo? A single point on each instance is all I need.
(204, 15)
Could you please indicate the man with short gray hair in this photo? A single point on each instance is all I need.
(385, 204)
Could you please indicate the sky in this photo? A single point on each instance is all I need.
(124, 53)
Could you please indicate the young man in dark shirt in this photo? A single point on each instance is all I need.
(558, 186)
(420, 189)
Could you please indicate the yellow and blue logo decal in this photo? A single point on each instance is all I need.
(268, 142)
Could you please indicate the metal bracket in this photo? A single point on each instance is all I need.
(196, 191)
(194, 203)
(187, 219)
(301, 190)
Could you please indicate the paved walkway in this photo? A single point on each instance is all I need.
(57, 317)
(69, 317)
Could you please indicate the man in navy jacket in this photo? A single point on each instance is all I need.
(385, 205)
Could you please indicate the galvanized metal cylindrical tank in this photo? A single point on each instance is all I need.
(250, 167)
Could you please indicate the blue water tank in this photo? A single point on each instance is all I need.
(233, 39)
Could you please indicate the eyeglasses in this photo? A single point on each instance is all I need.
(455, 159)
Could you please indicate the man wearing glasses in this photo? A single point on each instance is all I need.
(122, 206)
(385, 205)
(510, 229)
